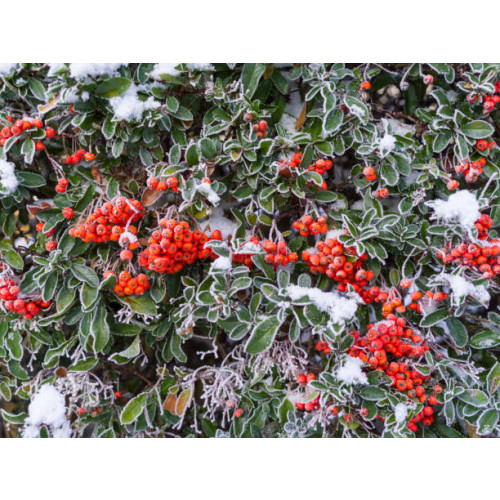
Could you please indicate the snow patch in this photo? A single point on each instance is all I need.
(221, 264)
(164, 69)
(351, 372)
(400, 412)
(386, 145)
(47, 408)
(8, 178)
(129, 107)
(206, 189)
(217, 221)
(461, 206)
(199, 66)
(83, 70)
(340, 309)
(7, 69)
(460, 287)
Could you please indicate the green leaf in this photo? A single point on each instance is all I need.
(88, 295)
(389, 173)
(434, 317)
(474, 397)
(457, 331)
(357, 108)
(133, 409)
(85, 274)
(486, 339)
(333, 120)
(487, 422)
(372, 393)
(142, 304)
(37, 88)
(84, 365)
(131, 352)
(99, 328)
(109, 127)
(28, 150)
(477, 129)
(113, 87)
(250, 77)
(13, 259)
(263, 335)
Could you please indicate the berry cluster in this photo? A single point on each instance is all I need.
(278, 254)
(260, 129)
(129, 285)
(77, 157)
(485, 259)
(171, 183)
(39, 227)
(306, 226)
(381, 193)
(310, 406)
(9, 293)
(483, 145)
(385, 347)
(110, 221)
(369, 173)
(472, 170)
(305, 378)
(174, 246)
(323, 347)
(246, 258)
(319, 166)
(417, 297)
(62, 184)
(340, 263)
(20, 126)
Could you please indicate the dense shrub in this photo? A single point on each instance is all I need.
(250, 250)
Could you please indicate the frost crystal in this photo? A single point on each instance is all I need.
(129, 107)
(340, 309)
(351, 372)
(8, 178)
(461, 206)
(47, 408)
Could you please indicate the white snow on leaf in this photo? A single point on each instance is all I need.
(400, 412)
(386, 145)
(351, 373)
(55, 67)
(221, 264)
(292, 111)
(8, 178)
(7, 69)
(206, 189)
(340, 309)
(199, 66)
(461, 207)
(164, 69)
(47, 408)
(129, 106)
(249, 248)
(460, 287)
(83, 70)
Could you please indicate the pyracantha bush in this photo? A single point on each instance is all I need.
(256, 250)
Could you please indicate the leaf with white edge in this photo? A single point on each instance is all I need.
(373, 393)
(113, 87)
(487, 422)
(131, 352)
(133, 409)
(474, 397)
(85, 274)
(477, 129)
(486, 339)
(434, 317)
(457, 332)
(263, 335)
(142, 304)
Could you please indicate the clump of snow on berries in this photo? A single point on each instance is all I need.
(7, 68)
(206, 189)
(221, 264)
(47, 408)
(400, 412)
(8, 179)
(340, 309)
(351, 373)
(83, 70)
(130, 107)
(461, 207)
(164, 69)
(460, 287)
